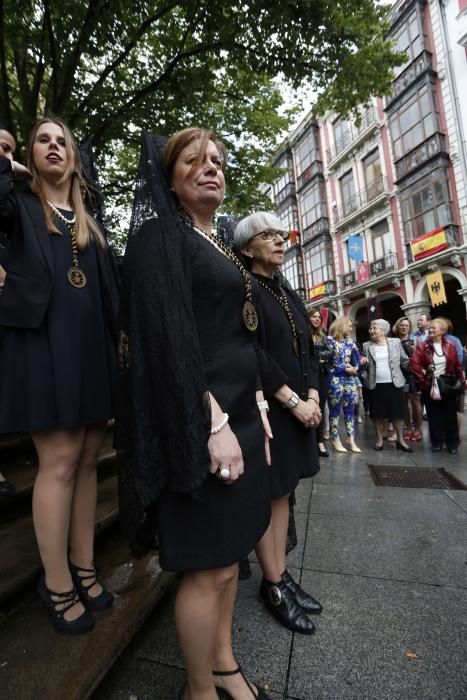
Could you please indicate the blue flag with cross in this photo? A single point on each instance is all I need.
(355, 248)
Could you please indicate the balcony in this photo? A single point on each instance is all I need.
(316, 228)
(287, 191)
(422, 64)
(369, 271)
(433, 146)
(322, 290)
(315, 168)
(452, 238)
(360, 202)
(352, 137)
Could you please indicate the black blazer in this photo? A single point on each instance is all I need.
(30, 270)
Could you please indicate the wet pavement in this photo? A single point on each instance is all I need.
(390, 568)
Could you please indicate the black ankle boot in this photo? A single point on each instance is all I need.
(280, 600)
(305, 600)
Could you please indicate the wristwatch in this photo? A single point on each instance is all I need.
(292, 402)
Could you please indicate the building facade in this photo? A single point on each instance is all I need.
(396, 179)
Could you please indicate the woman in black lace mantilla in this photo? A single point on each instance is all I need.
(190, 430)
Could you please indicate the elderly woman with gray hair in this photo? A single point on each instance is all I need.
(290, 381)
(385, 382)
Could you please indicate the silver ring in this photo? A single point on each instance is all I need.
(223, 474)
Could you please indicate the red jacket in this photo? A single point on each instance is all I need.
(422, 358)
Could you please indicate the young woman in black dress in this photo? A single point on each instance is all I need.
(290, 384)
(189, 421)
(57, 310)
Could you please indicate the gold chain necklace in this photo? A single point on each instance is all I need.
(283, 301)
(250, 317)
(75, 274)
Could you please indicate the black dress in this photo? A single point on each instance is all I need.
(62, 374)
(223, 523)
(294, 452)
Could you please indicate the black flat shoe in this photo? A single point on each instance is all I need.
(379, 448)
(83, 624)
(404, 448)
(324, 453)
(304, 599)
(260, 694)
(280, 600)
(452, 450)
(436, 448)
(102, 601)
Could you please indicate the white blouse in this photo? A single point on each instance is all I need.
(439, 359)
(383, 370)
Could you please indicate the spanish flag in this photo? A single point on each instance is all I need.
(294, 236)
(318, 291)
(429, 244)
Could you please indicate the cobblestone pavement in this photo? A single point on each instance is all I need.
(390, 568)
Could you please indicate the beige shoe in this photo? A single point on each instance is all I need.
(338, 446)
(353, 447)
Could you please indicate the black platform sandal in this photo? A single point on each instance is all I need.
(102, 601)
(260, 695)
(81, 625)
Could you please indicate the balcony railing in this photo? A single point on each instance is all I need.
(287, 191)
(369, 270)
(422, 63)
(452, 238)
(315, 168)
(352, 134)
(361, 199)
(421, 154)
(317, 227)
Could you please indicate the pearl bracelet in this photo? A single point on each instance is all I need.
(263, 404)
(221, 425)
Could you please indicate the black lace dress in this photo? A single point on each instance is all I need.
(223, 523)
(62, 374)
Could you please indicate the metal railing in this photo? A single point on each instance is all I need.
(315, 168)
(375, 268)
(352, 134)
(419, 65)
(420, 154)
(361, 199)
(317, 227)
(285, 192)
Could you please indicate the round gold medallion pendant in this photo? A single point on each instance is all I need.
(76, 277)
(250, 317)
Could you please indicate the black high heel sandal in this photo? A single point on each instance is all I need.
(102, 601)
(81, 625)
(261, 694)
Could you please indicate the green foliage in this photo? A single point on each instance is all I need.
(111, 68)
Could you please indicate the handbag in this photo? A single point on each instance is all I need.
(435, 394)
(449, 385)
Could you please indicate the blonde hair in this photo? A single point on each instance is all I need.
(338, 327)
(86, 228)
(395, 328)
(178, 141)
(442, 322)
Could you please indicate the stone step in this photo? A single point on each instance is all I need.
(20, 563)
(36, 663)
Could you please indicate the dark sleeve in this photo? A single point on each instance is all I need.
(417, 362)
(271, 377)
(7, 200)
(313, 373)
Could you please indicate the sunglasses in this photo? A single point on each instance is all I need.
(271, 234)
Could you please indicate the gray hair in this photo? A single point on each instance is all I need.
(381, 323)
(256, 223)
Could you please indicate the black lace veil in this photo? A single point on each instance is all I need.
(163, 421)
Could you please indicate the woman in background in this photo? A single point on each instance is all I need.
(402, 329)
(324, 353)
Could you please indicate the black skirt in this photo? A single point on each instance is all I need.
(386, 402)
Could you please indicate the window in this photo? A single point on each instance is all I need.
(426, 205)
(318, 262)
(372, 172)
(306, 152)
(381, 240)
(349, 200)
(285, 179)
(291, 272)
(313, 204)
(410, 40)
(414, 122)
(342, 134)
(289, 217)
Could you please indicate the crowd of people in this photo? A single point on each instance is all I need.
(216, 375)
